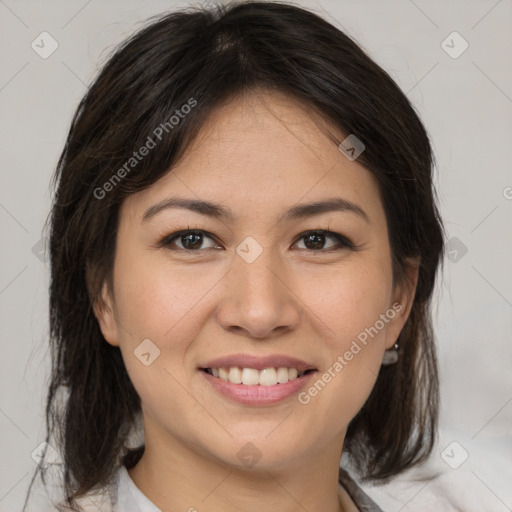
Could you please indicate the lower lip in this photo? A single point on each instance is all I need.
(258, 395)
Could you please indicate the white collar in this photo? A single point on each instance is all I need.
(129, 497)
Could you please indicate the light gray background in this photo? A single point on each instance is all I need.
(465, 103)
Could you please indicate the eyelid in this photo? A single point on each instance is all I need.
(165, 242)
(343, 241)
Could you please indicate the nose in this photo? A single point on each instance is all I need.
(258, 300)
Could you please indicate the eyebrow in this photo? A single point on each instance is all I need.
(299, 211)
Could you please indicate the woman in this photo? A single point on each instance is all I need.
(244, 244)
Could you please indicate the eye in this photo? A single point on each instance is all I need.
(190, 240)
(315, 241)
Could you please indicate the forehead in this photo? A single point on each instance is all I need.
(259, 127)
(261, 152)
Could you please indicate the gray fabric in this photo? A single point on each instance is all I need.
(363, 502)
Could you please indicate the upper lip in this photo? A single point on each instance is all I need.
(259, 362)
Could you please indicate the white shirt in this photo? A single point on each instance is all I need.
(122, 495)
(130, 497)
(446, 492)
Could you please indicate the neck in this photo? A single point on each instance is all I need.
(175, 476)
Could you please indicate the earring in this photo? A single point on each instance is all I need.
(390, 355)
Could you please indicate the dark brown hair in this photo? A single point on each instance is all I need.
(211, 55)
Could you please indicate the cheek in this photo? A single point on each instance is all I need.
(350, 300)
(153, 304)
(162, 305)
(349, 304)
(156, 299)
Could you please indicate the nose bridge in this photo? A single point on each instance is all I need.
(257, 298)
(256, 268)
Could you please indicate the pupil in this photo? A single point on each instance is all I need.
(188, 238)
(318, 240)
(193, 240)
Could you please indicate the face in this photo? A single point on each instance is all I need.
(255, 280)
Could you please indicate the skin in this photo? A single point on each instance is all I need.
(258, 155)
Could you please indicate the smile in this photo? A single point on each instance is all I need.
(252, 387)
(253, 377)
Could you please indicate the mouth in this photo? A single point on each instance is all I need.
(254, 387)
(271, 376)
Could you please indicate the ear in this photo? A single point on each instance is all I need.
(105, 313)
(403, 299)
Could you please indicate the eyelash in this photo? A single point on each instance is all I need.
(344, 242)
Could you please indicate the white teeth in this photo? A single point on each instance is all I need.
(292, 373)
(282, 375)
(235, 375)
(250, 377)
(268, 377)
(253, 377)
